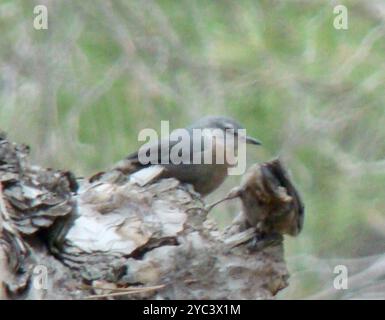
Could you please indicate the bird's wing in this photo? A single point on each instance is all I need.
(163, 147)
(160, 147)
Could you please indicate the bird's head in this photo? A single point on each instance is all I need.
(226, 124)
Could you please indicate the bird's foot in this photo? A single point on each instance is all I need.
(200, 209)
(262, 241)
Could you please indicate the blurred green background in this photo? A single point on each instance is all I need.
(79, 92)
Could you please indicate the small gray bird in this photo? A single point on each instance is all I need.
(204, 177)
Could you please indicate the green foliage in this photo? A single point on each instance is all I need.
(79, 92)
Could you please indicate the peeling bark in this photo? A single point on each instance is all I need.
(62, 238)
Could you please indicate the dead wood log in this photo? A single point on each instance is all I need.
(66, 238)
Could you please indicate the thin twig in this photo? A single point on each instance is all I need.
(126, 292)
(87, 287)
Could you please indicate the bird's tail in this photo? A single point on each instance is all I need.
(127, 166)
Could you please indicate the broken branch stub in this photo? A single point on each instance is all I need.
(270, 202)
(114, 238)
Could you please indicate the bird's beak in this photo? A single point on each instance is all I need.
(251, 140)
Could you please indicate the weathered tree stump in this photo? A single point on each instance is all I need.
(62, 238)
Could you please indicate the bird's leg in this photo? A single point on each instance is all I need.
(234, 193)
(263, 241)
